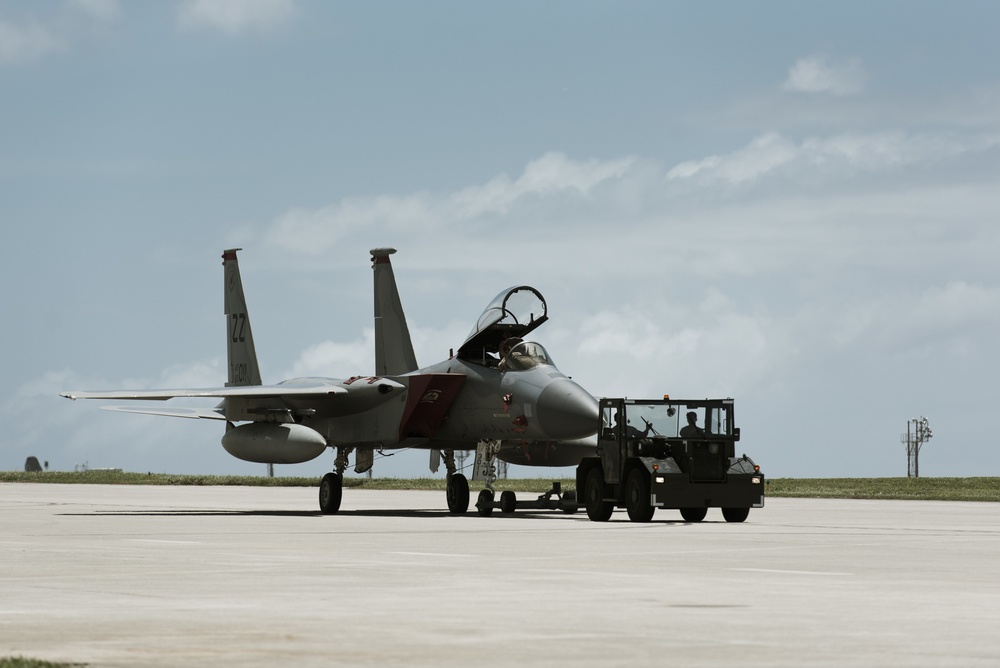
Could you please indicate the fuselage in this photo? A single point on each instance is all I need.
(541, 416)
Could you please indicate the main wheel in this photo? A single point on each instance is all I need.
(598, 510)
(458, 494)
(508, 502)
(331, 491)
(735, 514)
(637, 496)
(485, 503)
(693, 514)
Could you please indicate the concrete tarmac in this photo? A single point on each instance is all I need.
(208, 576)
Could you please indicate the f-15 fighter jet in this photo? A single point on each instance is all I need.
(499, 394)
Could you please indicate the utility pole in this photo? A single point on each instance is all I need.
(917, 433)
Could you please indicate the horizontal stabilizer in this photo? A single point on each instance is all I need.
(195, 413)
(319, 389)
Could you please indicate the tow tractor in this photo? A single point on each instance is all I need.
(669, 453)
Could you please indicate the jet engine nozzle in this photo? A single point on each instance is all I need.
(566, 411)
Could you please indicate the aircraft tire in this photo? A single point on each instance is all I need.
(331, 492)
(485, 503)
(598, 510)
(569, 505)
(508, 502)
(637, 496)
(694, 514)
(458, 494)
(735, 514)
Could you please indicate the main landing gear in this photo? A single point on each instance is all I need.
(331, 491)
(458, 486)
(331, 488)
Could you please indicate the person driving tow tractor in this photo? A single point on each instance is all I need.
(691, 429)
(632, 432)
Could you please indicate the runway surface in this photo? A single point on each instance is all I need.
(208, 576)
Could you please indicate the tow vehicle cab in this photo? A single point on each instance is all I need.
(669, 453)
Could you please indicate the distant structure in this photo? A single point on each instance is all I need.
(917, 433)
(31, 465)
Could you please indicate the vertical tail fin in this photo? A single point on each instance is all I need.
(393, 348)
(242, 356)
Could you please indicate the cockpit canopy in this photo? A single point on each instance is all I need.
(508, 318)
(525, 355)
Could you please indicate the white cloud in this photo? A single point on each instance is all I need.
(762, 155)
(20, 43)
(33, 38)
(843, 154)
(316, 231)
(336, 359)
(236, 16)
(816, 74)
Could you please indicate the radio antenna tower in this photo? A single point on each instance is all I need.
(917, 433)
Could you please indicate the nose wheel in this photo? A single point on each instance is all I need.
(484, 505)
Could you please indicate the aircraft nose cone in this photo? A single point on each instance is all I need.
(567, 411)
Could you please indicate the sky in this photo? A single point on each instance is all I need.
(792, 204)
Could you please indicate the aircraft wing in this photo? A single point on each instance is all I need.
(246, 391)
(249, 402)
(194, 413)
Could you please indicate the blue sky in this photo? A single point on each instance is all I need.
(793, 204)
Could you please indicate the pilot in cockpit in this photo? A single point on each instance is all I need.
(505, 348)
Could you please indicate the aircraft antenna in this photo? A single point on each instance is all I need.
(917, 433)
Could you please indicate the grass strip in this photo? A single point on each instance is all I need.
(926, 489)
(22, 662)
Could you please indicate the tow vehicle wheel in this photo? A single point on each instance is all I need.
(331, 491)
(485, 503)
(569, 505)
(693, 514)
(637, 497)
(508, 502)
(598, 510)
(458, 494)
(735, 514)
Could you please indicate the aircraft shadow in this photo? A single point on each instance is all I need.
(196, 513)
(394, 512)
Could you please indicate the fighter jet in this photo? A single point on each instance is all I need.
(499, 395)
